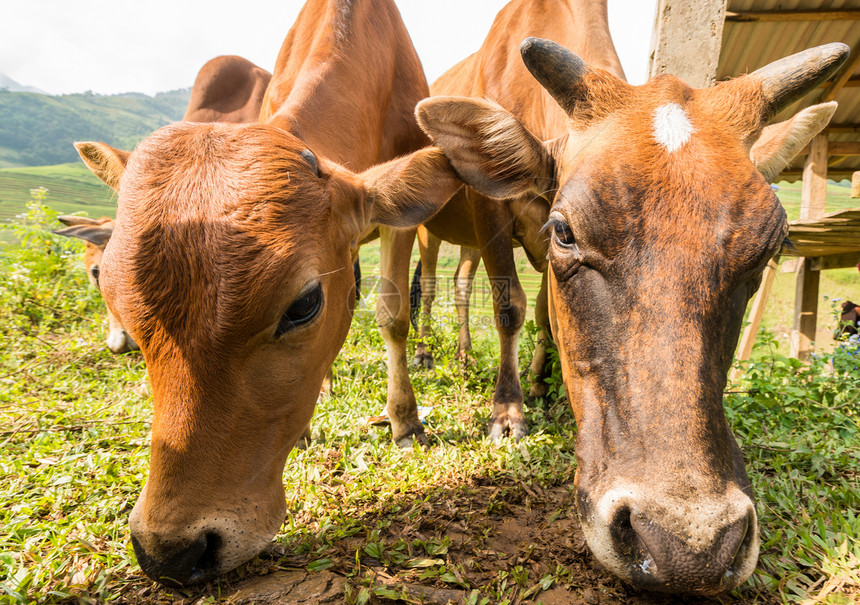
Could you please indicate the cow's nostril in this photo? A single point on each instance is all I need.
(629, 543)
(208, 559)
(181, 564)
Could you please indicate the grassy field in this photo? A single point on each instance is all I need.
(72, 188)
(463, 520)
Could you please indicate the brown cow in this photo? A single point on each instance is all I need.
(849, 321)
(660, 228)
(230, 263)
(95, 234)
(496, 72)
(227, 89)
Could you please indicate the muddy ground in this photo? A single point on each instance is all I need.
(491, 528)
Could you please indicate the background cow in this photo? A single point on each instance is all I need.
(480, 222)
(95, 234)
(227, 89)
(849, 320)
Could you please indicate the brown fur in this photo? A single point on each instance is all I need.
(221, 231)
(496, 73)
(654, 252)
(95, 234)
(227, 89)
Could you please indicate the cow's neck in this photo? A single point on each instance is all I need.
(580, 25)
(339, 56)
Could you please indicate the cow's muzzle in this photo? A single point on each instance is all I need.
(704, 546)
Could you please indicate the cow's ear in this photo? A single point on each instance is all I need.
(94, 234)
(104, 161)
(407, 191)
(487, 146)
(779, 143)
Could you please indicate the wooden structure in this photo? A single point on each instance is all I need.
(733, 37)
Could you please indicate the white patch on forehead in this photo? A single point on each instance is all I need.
(672, 127)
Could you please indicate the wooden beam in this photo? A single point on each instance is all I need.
(844, 148)
(849, 14)
(836, 175)
(805, 311)
(814, 187)
(756, 313)
(824, 263)
(841, 148)
(855, 184)
(844, 129)
(853, 82)
(835, 261)
(687, 39)
(813, 196)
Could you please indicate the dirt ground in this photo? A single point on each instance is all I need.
(490, 528)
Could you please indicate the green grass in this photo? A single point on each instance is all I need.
(835, 284)
(838, 197)
(492, 523)
(72, 188)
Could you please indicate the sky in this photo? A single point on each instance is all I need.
(122, 46)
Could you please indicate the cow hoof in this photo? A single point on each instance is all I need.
(497, 432)
(423, 360)
(501, 428)
(519, 431)
(408, 442)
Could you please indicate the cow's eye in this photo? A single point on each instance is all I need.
(311, 159)
(94, 271)
(561, 231)
(303, 310)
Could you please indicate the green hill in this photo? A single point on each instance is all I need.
(38, 130)
(71, 188)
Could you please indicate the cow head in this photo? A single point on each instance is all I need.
(659, 232)
(95, 234)
(231, 265)
(849, 320)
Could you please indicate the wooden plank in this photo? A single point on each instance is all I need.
(687, 38)
(835, 261)
(805, 311)
(855, 184)
(835, 174)
(812, 201)
(850, 14)
(853, 82)
(814, 186)
(844, 128)
(838, 148)
(756, 313)
(824, 263)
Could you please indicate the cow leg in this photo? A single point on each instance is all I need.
(392, 316)
(428, 248)
(495, 233)
(463, 279)
(539, 367)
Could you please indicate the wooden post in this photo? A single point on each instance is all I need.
(686, 41)
(855, 184)
(756, 313)
(813, 197)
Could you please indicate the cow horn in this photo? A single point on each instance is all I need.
(788, 79)
(557, 69)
